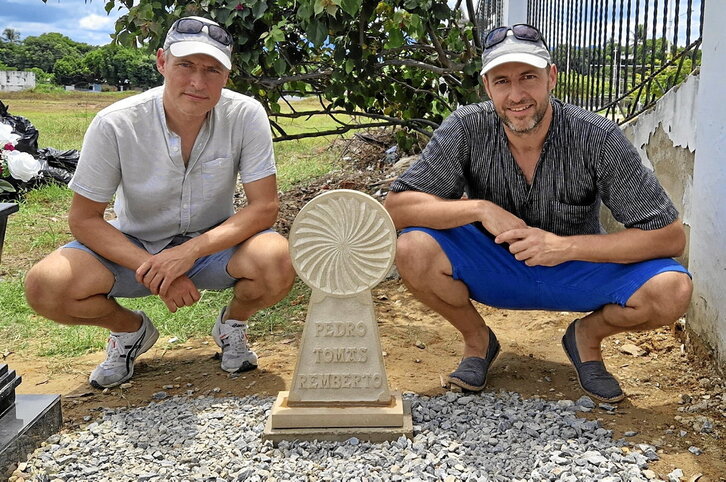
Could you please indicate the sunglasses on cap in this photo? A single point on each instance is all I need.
(194, 26)
(521, 31)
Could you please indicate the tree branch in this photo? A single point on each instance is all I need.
(443, 58)
(273, 82)
(413, 47)
(473, 20)
(310, 113)
(422, 65)
(419, 91)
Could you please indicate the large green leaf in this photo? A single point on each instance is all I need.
(317, 32)
(6, 186)
(259, 9)
(350, 7)
(395, 39)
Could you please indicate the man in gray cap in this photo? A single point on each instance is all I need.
(171, 157)
(527, 235)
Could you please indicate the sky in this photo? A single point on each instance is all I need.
(87, 21)
(81, 21)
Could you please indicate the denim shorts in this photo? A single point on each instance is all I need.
(208, 272)
(496, 278)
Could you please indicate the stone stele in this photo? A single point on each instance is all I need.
(342, 244)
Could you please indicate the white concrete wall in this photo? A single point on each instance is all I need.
(707, 316)
(13, 80)
(665, 137)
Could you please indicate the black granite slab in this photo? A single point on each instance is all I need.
(7, 392)
(6, 378)
(25, 426)
(6, 209)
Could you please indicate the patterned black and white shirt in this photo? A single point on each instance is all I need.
(585, 160)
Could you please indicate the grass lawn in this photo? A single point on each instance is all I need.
(41, 226)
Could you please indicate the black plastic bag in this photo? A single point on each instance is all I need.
(28, 141)
(58, 165)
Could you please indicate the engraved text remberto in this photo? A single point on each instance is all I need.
(339, 380)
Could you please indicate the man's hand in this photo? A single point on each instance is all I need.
(497, 220)
(535, 246)
(181, 292)
(159, 271)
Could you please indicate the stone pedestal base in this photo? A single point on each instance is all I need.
(24, 426)
(371, 423)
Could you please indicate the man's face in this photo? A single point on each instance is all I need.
(192, 84)
(520, 94)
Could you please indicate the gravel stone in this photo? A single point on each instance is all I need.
(586, 402)
(484, 437)
(675, 476)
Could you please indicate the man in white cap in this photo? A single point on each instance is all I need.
(171, 157)
(527, 234)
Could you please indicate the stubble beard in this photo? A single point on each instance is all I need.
(536, 120)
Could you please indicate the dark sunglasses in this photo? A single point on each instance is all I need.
(522, 31)
(194, 26)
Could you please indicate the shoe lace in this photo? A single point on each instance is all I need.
(115, 353)
(236, 339)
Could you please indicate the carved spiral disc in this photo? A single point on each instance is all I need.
(342, 242)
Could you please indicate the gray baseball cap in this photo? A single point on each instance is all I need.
(198, 35)
(512, 49)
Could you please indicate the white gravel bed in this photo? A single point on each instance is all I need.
(457, 437)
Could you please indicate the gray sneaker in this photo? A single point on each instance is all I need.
(121, 352)
(231, 336)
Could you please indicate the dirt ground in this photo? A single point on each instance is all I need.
(670, 393)
(532, 363)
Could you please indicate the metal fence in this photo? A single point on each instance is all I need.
(616, 57)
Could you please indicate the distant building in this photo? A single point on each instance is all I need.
(85, 87)
(13, 80)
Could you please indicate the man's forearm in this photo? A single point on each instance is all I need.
(630, 246)
(107, 241)
(411, 208)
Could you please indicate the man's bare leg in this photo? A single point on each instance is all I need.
(659, 302)
(265, 274)
(69, 286)
(427, 273)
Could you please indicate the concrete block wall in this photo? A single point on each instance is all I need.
(13, 80)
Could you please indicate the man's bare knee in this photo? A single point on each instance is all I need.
(267, 273)
(663, 299)
(675, 295)
(279, 276)
(419, 257)
(39, 292)
(62, 278)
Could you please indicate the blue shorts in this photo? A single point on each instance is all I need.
(208, 272)
(496, 278)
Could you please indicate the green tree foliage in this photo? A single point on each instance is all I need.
(8, 53)
(44, 50)
(122, 66)
(71, 70)
(55, 57)
(389, 62)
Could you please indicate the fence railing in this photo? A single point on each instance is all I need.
(616, 57)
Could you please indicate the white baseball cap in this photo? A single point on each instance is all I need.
(198, 35)
(514, 49)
